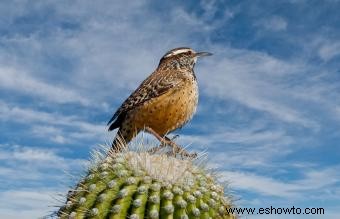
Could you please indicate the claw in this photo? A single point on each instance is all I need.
(174, 137)
(176, 149)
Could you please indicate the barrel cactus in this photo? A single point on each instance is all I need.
(137, 184)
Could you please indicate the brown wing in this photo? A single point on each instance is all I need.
(155, 85)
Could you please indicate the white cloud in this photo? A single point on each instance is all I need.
(53, 133)
(255, 80)
(23, 193)
(31, 179)
(259, 184)
(27, 203)
(329, 50)
(34, 164)
(29, 154)
(313, 181)
(275, 23)
(59, 139)
(337, 111)
(23, 83)
(52, 125)
(245, 137)
(252, 147)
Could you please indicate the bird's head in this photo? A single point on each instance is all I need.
(182, 57)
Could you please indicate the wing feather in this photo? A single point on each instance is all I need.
(153, 86)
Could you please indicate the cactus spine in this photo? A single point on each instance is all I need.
(139, 185)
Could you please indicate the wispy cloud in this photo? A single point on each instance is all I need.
(32, 203)
(259, 184)
(329, 50)
(52, 125)
(274, 23)
(314, 181)
(239, 75)
(24, 162)
(23, 83)
(31, 178)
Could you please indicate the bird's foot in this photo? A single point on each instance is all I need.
(155, 149)
(176, 149)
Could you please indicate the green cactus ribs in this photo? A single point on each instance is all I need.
(142, 185)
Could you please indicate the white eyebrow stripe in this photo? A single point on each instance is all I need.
(178, 52)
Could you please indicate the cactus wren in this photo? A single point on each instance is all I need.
(164, 101)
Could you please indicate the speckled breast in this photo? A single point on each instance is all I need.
(170, 110)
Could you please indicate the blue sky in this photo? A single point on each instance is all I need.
(269, 109)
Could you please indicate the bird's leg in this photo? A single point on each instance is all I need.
(174, 146)
(155, 149)
(159, 138)
(163, 144)
(167, 141)
(164, 141)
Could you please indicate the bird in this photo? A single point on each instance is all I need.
(165, 101)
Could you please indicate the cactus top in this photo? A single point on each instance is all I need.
(142, 185)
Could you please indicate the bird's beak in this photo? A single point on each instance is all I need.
(201, 54)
